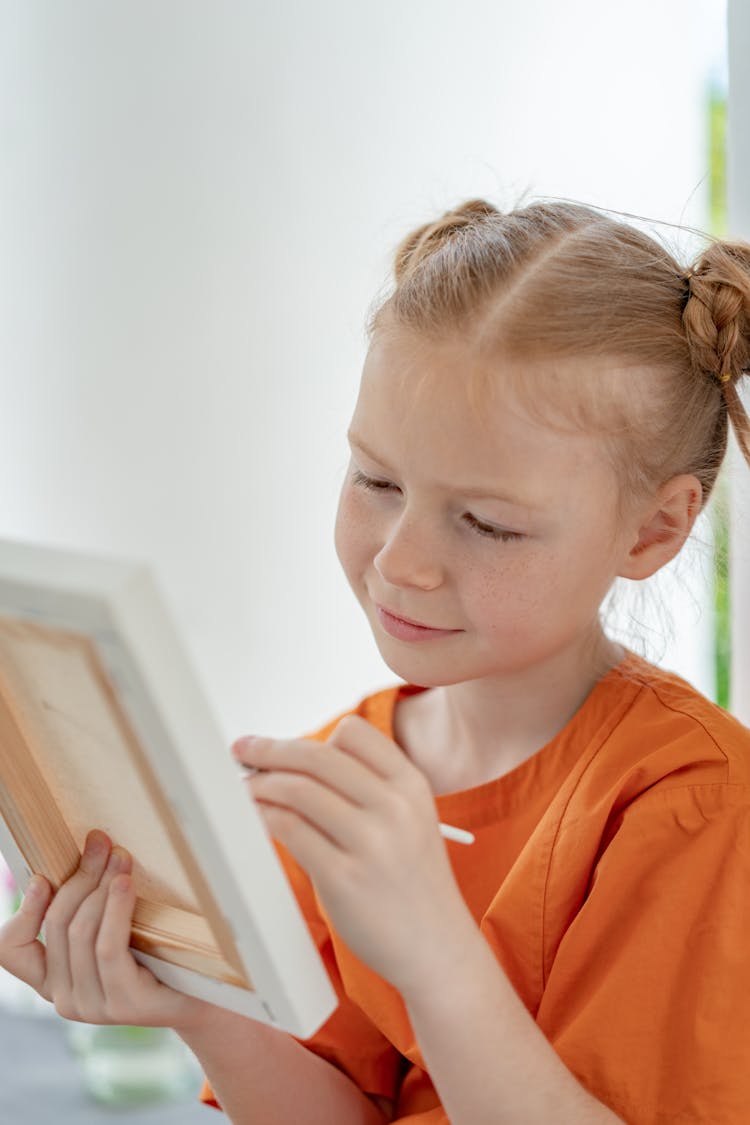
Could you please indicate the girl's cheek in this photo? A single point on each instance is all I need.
(350, 532)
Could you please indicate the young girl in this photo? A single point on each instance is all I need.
(544, 406)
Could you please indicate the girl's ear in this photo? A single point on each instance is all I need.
(668, 522)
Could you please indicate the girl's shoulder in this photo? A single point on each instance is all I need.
(670, 719)
(642, 727)
(661, 746)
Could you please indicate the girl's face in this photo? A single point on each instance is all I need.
(493, 531)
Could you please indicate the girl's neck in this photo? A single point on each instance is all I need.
(463, 734)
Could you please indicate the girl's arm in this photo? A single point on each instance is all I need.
(86, 969)
(361, 820)
(260, 1074)
(509, 1071)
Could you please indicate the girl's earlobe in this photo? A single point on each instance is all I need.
(669, 523)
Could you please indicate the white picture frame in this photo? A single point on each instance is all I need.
(104, 724)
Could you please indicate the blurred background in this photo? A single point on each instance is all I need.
(198, 203)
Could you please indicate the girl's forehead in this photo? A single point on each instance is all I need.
(442, 401)
(414, 378)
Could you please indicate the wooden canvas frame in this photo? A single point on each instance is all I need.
(103, 724)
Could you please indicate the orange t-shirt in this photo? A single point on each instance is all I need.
(611, 877)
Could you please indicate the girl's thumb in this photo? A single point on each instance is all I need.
(26, 923)
(20, 952)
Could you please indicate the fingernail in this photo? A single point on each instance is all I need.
(35, 887)
(120, 885)
(243, 743)
(94, 843)
(117, 860)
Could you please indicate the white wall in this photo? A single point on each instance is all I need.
(739, 212)
(198, 201)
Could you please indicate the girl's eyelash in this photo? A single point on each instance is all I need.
(491, 532)
(485, 529)
(370, 482)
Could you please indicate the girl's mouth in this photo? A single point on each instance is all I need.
(404, 630)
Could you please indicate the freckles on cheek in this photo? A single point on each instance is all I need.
(507, 599)
(502, 583)
(350, 532)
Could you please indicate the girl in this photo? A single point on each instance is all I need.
(544, 406)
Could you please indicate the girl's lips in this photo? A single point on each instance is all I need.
(405, 630)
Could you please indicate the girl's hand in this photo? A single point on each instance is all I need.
(360, 818)
(85, 966)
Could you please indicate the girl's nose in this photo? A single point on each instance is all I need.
(409, 558)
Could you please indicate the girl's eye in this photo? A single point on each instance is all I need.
(490, 531)
(371, 482)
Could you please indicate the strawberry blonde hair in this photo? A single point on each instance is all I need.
(561, 281)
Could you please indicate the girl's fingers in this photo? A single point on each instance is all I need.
(87, 927)
(65, 905)
(121, 977)
(87, 990)
(329, 765)
(366, 750)
(371, 747)
(403, 788)
(134, 995)
(26, 923)
(312, 849)
(333, 784)
(325, 811)
(21, 954)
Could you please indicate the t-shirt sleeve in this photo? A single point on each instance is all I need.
(647, 998)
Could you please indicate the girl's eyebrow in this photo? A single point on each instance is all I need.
(475, 493)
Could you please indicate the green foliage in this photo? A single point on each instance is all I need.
(717, 154)
(722, 635)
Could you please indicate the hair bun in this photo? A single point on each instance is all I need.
(717, 313)
(424, 241)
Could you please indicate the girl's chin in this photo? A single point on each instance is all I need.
(419, 670)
